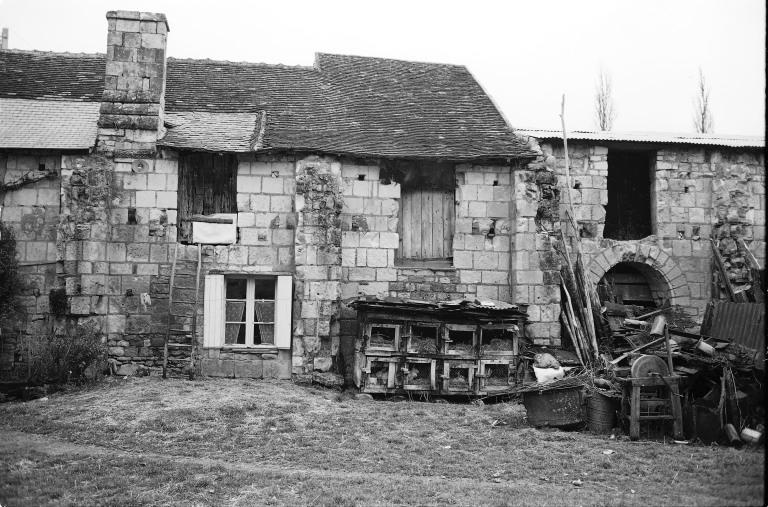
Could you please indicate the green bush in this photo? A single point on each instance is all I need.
(68, 357)
(11, 283)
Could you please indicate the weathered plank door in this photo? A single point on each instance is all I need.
(207, 184)
(426, 223)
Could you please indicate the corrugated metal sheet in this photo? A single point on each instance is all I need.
(651, 137)
(742, 323)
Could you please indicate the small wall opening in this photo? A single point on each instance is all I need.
(634, 283)
(628, 212)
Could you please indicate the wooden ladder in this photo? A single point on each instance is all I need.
(173, 330)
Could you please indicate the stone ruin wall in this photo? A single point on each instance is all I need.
(699, 193)
(32, 211)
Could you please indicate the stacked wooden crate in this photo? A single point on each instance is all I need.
(455, 348)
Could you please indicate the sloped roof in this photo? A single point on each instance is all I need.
(733, 141)
(44, 124)
(204, 131)
(344, 104)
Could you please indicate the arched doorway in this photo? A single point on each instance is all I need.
(634, 283)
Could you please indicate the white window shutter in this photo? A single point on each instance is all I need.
(283, 311)
(213, 330)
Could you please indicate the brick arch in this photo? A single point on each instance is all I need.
(659, 268)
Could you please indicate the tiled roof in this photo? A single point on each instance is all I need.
(344, 104)
(56, 76)
(47, 124)
(204, 131)
(651, 137)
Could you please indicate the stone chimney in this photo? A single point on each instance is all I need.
(4, 39)
(131, 118)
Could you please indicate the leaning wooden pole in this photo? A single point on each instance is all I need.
(194, 315)
(586, 286)
(170, 311)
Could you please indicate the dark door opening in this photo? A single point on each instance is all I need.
(628, 213)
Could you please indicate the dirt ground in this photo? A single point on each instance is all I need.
(146, 441)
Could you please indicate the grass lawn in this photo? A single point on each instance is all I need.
(145, 441)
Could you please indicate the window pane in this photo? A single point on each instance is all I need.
(264, 334)
(264, 311)
(265, 288)
(235, 311)
(234, 334)
(236, 288)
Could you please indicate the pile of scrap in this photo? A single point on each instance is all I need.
(720, 370)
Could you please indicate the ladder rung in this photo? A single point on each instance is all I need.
(185, 302)
(179, 345)
(180, 331)
(655, 417)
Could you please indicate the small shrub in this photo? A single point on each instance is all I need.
(67, 357)
(11, 283)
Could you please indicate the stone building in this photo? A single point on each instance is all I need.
(647, 205)
(308, 186)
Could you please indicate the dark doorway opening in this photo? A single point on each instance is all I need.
(628, 213)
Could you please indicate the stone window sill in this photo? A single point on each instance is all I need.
(436, 265)
(258, 349)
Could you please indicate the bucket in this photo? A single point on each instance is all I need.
(559, 408)
(601, 414)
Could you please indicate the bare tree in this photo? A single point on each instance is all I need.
(702, 116)
(604, 111)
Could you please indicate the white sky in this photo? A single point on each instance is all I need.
(525, 54)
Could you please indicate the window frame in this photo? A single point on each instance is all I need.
(250, 307)
(214, 311)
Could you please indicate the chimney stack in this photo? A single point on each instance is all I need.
(4, 39)
(131, 115)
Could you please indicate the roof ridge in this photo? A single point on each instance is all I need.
(53, 53)
(240, 63)
(437, 64)
(700, 135)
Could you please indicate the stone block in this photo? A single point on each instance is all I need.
(260, 202)
(281, 203)
(361, 257)
(495, 277)
(496, 209)
(462, 259)
(376, 258)
(218, 367)
(80, 305)
(269, 185)
(167, 200)
(146, 199)
(137, 252)
(470, 276)
(362, 274)
(389, 240)
(259, 256)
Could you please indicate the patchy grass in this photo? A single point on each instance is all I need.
(240, 442)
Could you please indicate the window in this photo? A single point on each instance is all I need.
(427, 210)
(248, 311)
(628, 213)
(207, 185)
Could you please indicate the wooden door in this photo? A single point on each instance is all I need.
(426, 223)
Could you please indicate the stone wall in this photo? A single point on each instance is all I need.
(32, 210)
(698, 193)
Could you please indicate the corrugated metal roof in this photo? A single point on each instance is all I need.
(742, 323)
(48, 124)
(733, 141)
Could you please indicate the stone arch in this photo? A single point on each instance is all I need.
(657, 266)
